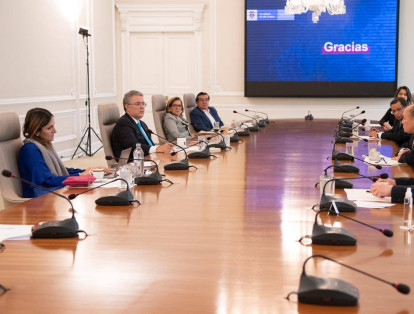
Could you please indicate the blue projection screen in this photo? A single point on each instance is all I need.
(350, 55)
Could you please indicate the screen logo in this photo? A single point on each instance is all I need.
(251, 15)
(345, 49)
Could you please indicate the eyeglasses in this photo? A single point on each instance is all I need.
(204, 99)
(175, 105)
(139, 104)
(398, 110)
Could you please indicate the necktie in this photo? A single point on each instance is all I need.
(144, 134)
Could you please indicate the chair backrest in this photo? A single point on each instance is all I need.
(189, 105)
(108, 115)
(10, 144)
(158, 112)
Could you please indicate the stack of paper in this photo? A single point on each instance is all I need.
(363, 198)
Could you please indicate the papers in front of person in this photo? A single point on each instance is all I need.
(15, 232)
(116, 184)
(363, 198)
(384, 161)
(366, 137)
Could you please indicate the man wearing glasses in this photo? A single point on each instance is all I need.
(397, 133)
(130, 130)
(203, 117)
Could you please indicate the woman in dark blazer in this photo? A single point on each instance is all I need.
(175, 126)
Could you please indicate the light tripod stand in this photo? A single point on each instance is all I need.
(88, 132)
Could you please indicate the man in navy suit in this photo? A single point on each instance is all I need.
(130, 130)
(203, 116)
(396, 187)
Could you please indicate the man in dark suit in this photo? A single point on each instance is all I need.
(396, 187)
(130, 130)
(203, 116)
(397, 133)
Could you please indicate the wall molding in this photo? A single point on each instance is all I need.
(29, 100)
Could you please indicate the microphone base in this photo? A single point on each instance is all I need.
(67, 228)
(221, 145)
(341, 156)
(342, 184)
(177, 165)
(235, 138)
(262, 123)
(151, 179)
(123, 198)
(343, 133)
(205, 153)
(346, 168)
(342, 204)
(342, 140)
(324, 235)
(254, 128)
(327, 291)
(245, 132)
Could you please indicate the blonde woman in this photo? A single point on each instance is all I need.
(175, 126)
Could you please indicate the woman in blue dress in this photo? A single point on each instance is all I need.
(38, 161)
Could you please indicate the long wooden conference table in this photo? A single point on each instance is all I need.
(221, 239)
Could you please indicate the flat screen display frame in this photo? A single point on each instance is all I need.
(343, 89)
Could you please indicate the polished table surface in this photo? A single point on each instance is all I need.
(222, 238)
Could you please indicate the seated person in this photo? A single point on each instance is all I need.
(38, 161)
(130, 130)
(387, 121)
(396, 187)
(175, 125)
(397, 133)
(203, 116)
(406, 154)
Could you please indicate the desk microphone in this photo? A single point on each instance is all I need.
(67, 228)
(346, 120)
(343, 205)
(345, 131)
(379, 167)
(245, 131)
(235, 137)
(331, 291)
(154, 178)
(254, 127)
(261, 121)
(340, 157)
(205, 153)
(325, 235)
(265, 119)
(221, 144)
(175, 165)
(123, 198)
(349, 111)
(362, 112)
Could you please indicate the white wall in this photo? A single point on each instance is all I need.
(223, 66)
(43, 61)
